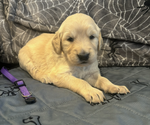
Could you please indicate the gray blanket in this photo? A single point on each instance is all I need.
(58, 106)
(124, 25)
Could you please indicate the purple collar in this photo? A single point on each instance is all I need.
(29, 99)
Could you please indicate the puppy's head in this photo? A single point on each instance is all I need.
(79, 38)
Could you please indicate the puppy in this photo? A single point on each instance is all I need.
(68, 59)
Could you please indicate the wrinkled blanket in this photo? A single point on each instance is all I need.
(59, 106)
(124, 25)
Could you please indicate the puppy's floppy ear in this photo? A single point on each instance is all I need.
(56, 42)
(100, 41)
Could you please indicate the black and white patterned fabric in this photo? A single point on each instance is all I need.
(124, 24)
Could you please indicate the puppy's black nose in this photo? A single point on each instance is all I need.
(83, 57)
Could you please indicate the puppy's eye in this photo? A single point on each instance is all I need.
(92, 37)
(70, 39)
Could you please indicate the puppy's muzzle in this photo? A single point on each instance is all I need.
(83, 57)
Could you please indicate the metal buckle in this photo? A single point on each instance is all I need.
(29, 99)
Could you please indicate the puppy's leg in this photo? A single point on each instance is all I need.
(104, 84)
(79, 86)
(108, 87)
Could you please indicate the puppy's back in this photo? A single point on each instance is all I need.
(33, 53)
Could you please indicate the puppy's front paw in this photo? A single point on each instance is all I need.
(118, 89)
(123, 90)
(93, 95)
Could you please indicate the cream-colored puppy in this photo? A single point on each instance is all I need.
(68, 59)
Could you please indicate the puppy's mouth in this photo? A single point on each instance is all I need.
(84, 62)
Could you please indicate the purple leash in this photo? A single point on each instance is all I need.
(29, 99)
